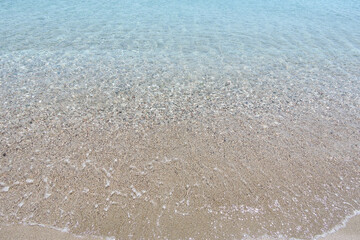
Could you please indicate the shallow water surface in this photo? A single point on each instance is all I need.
(180, 119)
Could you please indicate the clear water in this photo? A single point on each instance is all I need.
(183, 38)
(312, 44)
(291, 66)
(200, 32)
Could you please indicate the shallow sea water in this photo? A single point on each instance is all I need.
(180, 119)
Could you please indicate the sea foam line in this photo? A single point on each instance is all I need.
(64, 230)
(339, 226)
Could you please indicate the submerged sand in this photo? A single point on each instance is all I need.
(170, 155)
(226, 178)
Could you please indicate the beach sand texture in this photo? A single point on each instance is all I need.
(228, 176)
(16, 232)
(139, 119)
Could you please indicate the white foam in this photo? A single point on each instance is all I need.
(29, 180)
(339, 226)
(138, 194)
(106, 173)
(107, 183)
(66, 229)
(47, 195)
(181, 213)
(118, 193)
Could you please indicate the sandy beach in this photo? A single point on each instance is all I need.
(190, 161)
(186, 162)
(350, 232)
(184, 179)
(205, 119)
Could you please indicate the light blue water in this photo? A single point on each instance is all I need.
(196, 31)
(253, 37)
(207, 30)
(146, 61)
(312, 44)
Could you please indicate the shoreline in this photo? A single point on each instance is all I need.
(173, 120)
(171, 159)
(348, 229)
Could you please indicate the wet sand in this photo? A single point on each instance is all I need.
(223, 178)
(151, 157)
(18, 232)
(350, 232)
(179, 120)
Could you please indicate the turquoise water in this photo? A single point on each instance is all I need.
(109, 44)
(68, 68)
(201, 32)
